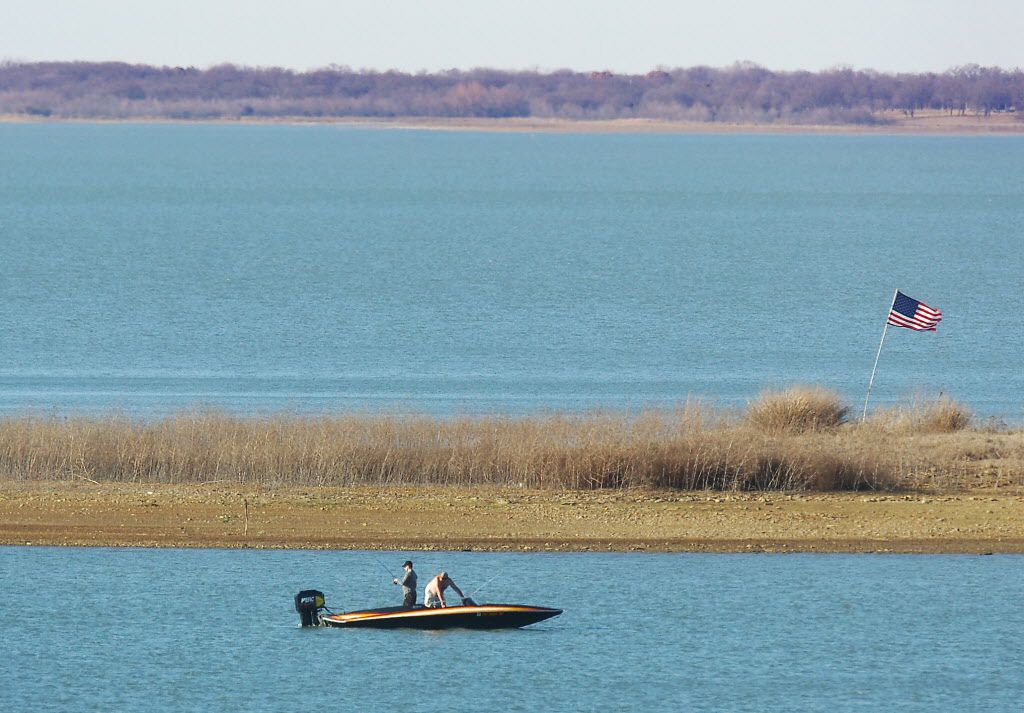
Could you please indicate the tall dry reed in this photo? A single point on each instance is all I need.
(693, 447)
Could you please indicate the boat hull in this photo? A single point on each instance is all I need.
(483, 616)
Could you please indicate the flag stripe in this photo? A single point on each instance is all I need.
(901, 321)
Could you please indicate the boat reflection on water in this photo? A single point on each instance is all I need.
(469, 615)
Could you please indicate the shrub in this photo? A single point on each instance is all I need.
(944, 416)
(799, 409)
(940, 415)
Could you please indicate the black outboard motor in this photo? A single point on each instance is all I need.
(308, 604)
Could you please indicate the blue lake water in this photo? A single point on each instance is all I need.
(153, 268)
(179, 630)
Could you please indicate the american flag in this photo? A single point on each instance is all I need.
(908, 312)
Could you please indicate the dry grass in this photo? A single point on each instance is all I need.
(937, 416)
(694, 447)
(799, 409)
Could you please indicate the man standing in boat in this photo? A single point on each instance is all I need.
(433, 595)
(408, 583)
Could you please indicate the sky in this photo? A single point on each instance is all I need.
(429, 35)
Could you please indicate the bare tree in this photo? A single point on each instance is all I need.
(743, 92)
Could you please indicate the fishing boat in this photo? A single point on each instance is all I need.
(469, 615)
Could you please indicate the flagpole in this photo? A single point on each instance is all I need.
(871, 381)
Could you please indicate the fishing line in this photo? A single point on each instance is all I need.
(470, 595)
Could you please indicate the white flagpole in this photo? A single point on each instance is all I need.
(871, 381)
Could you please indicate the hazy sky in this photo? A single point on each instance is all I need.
(633, 36)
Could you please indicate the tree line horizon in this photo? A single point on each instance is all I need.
(741, 93)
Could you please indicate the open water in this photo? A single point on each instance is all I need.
(153, 268)
(169, 631)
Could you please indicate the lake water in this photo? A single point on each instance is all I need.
(153, 268)
(179, 630)
(317, 269)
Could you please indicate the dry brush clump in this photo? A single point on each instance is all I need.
(941, 415)
(804, 446)
(799, 409)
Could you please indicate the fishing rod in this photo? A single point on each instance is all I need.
(385, 568)
(470, 595)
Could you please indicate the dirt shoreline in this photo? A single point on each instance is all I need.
(927, 124)
(80, 513)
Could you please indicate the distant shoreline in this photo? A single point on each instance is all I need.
(935, 124)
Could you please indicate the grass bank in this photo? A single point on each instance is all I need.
(797, 440)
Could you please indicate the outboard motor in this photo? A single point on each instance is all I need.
(308, 604)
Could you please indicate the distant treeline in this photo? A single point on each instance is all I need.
(743, 92)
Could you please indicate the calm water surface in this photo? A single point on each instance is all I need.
(179, 630)
(151, 268)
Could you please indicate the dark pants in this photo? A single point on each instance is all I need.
(409, 600)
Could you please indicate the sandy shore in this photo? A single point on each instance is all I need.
(938, 123)
(81, 513)
(926, 124)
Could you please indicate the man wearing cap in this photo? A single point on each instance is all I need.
(433, 595)
(408, 583)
